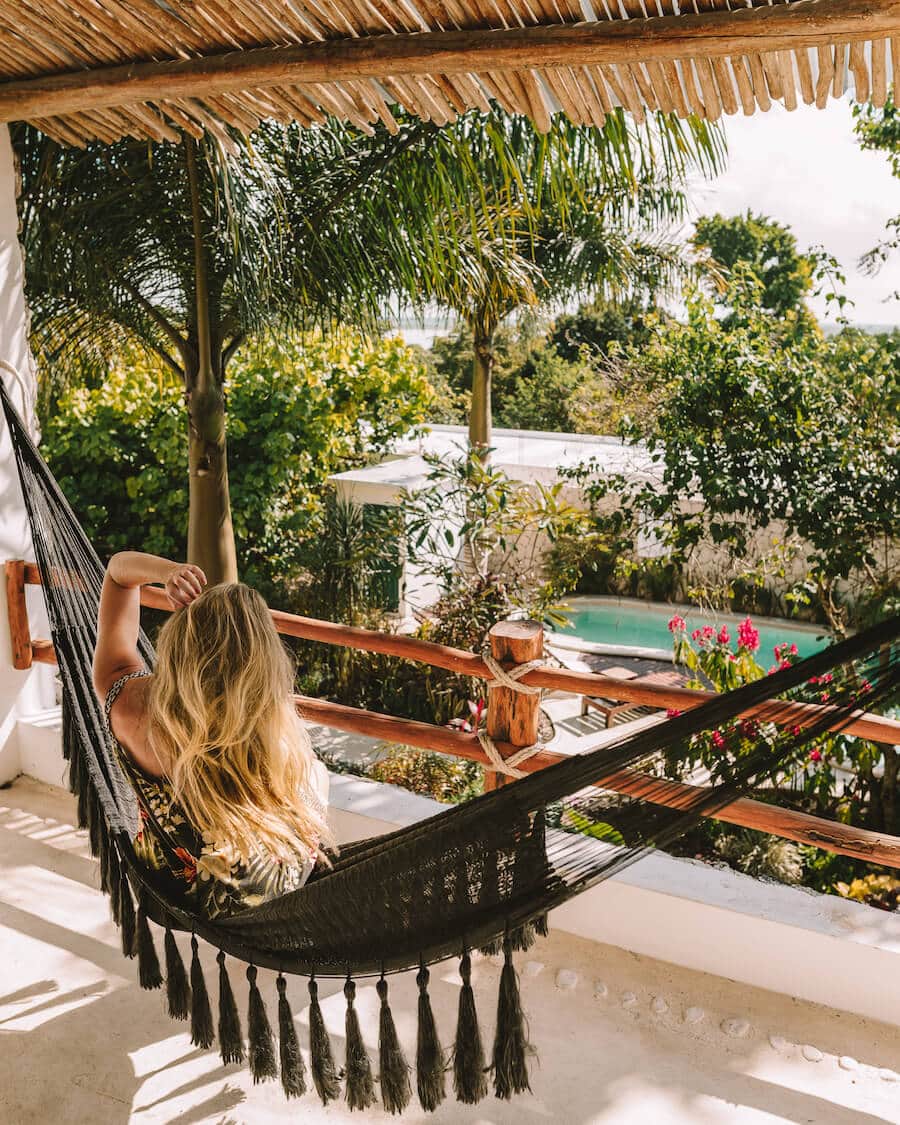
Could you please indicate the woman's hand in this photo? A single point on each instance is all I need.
(185, 584)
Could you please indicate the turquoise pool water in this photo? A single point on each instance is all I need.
(645, 625)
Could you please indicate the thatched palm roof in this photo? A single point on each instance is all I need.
(85, 69)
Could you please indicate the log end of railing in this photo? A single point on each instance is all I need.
(19, 631)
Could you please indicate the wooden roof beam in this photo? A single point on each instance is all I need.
(782, 27)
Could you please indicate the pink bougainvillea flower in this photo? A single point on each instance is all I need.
(677, 624)
(794, 651)
(718, 740)
(815, 755)
(477, 709)
(750, 728)
(795, 731)
(748, 637)
(708, 632)
(724, 636)
(865, 686)
(672, 712)
(696, 635)
(824, 696)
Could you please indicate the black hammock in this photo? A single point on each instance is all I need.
(477, 876)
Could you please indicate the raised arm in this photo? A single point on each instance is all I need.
(119, 619)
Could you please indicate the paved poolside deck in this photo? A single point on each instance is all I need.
(622, 1039)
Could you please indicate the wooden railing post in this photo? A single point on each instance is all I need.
(512, 716)
(19, 631)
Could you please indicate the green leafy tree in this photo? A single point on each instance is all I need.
(515, 217)
(755, 432)
(768, 250)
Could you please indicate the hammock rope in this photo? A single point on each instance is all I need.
(481, 875)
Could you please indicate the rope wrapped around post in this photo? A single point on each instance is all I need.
(513, 711)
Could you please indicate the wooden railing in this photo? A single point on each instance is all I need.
(512, 717)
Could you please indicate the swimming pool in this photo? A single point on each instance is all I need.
(638, 624)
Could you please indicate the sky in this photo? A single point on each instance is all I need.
(805, 168)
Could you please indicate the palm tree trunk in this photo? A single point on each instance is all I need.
(480, 426)
(210, 531)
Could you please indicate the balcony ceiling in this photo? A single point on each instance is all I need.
(86, 70)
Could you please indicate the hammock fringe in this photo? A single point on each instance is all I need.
(231, 1040)
(149, 973)
(293, 1071)
(469, 1071)
(178, 990)
(396, 1090)
(126, 914)
(324, 1072)
(511, 1039)
(359, 1085)
(202, 1034)
(429, 1053)
(260, 1040)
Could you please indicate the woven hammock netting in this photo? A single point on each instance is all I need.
(481, 875)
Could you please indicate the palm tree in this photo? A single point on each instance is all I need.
(188, 249)
(486, 215)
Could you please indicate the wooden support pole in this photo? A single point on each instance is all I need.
(779, 27)
(19, 631)
(513, 716)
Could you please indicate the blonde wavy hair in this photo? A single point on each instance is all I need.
(224, 727)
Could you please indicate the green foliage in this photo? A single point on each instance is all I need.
(299, 408)
(451, 780)
(768, 250)
(881, 891)
(498, 527)
(761, 856)
(740, 425)
(602, 327)
(879, 130)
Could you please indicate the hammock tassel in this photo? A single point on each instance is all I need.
(114, 880)
(126, 914)
(231, 1041)
(260, 1039)
(395, 1086)
(359, 1092)
(541, 925)
(178, 990)
(293, 1072)
(469, 1079)
(149, 973)
(429, 1054)
(201, 1013)
(324, 1072)
(510, 1040)
(95, 829)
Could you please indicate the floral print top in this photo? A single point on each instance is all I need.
(212, 880)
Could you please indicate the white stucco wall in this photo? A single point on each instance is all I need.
(20, 692)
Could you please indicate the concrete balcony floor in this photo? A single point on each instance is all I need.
(621, 1039)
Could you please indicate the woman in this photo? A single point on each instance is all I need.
(231, 797)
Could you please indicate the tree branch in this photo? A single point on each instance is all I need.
(163, 324)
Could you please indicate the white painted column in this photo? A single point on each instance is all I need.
(20, 692)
